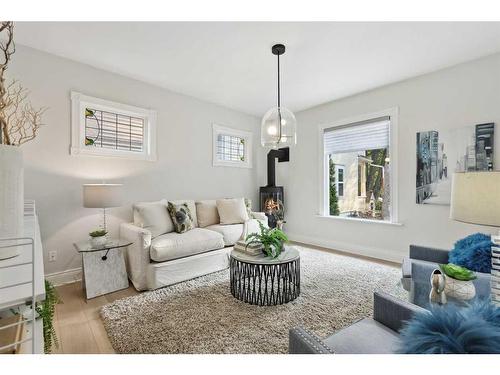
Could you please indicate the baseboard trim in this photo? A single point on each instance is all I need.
(65, 277)
(365, 251)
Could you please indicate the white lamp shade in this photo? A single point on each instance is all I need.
(475, 198)
(102, 195)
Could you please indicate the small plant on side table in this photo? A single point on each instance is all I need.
(458, 282)
(272, 240)
(98, 238)
(457, 272)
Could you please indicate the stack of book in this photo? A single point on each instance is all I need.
(495, 270)
(252, 249)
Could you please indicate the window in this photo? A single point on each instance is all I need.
(339, 180)
(104, 128)
(360, 152)
(231, 147)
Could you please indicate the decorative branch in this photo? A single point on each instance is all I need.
(7, 48)
(19, 120)
(22, 119)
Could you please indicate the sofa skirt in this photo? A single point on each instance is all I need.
(178, 270)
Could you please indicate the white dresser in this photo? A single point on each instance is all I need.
(16, 276)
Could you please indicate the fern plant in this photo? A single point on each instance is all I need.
(272, 240)
(46, 311)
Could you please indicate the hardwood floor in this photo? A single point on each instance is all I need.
(77, 322)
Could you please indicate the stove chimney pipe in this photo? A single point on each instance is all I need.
(283, 155)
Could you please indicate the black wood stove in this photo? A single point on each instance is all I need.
(272, 196)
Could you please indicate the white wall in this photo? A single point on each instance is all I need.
(464, 95)
(183, 170)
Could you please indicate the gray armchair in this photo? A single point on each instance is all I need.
(377, 335)
(420, 263)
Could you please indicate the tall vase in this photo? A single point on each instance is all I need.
(11, 198)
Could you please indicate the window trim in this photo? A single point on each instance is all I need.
(246, 135)
(80, 101)
(323, 198)
(337, 167)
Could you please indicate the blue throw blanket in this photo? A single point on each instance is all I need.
(473, 252)
(450, 329)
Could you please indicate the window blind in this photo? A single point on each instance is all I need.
(366, 135)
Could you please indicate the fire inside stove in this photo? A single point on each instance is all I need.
(271, 202)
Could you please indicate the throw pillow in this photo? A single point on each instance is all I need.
(181, 217)
(232, 211)
(207, 213)
(450, 329)
(473, 252)
(192, 209)
(153, 216)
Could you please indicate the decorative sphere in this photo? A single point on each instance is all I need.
(279, 128)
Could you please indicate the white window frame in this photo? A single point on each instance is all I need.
(247, 136)
(323, 185)
(78, 104)
(337, 168)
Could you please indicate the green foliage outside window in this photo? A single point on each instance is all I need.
(334, 204)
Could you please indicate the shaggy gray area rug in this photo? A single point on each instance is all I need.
(201, 315)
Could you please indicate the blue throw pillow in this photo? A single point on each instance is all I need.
(473, 252)
(453, 330)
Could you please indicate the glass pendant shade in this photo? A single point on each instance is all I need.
(278, 128)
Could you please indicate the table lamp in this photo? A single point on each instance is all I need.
(475, 199)
(102, 196)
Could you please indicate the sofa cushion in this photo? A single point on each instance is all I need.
(232, 211)
(181, 217)
(366, 336)
(153, 216)
(192, 208)
(207, 213)
(178, 245)
(231, 232)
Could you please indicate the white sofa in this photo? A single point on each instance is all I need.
(159, 256)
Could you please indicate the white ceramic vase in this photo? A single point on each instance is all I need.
(11, 197)
(459, 289)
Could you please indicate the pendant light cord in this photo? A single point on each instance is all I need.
(279, 103)
(279, 93)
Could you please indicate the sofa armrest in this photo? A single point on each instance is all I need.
(301, 341)
(137, 254)
(391, 311)
(259, 216)
(429, 254)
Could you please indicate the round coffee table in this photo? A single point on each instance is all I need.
(264, 281)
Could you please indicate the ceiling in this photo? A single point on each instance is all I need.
(231, 63)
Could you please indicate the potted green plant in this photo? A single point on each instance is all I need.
(272, 240)
(98, 238)
(46, 311)
(458, 281)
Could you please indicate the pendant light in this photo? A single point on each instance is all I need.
(279, 125)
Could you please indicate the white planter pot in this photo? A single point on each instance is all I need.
(98, 242)
(11, 197)
(458, 289)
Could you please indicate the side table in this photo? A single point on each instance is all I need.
(103, 267)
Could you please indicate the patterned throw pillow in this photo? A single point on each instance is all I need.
(181, 217)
